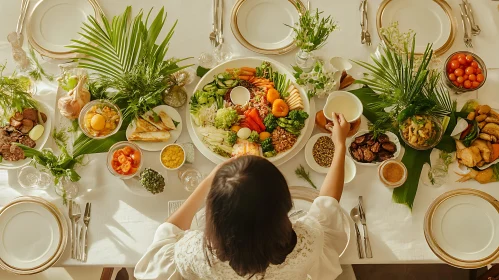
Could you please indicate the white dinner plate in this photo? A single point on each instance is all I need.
(303, 198)
(463, 226)
(174, 134)
(30, 235)
(350, 168)
(393, 138)
(260, 26)
(5, 164)
(54, 23)
(431, 21)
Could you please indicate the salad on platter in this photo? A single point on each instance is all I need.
(248, 111)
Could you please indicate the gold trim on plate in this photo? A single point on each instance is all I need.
(439, 252)
(303, 193)
(448, 11)
(63, 230)
(235, 30)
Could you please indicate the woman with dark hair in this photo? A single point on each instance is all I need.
(248, 234)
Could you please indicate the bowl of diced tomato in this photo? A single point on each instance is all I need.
(124, 160)
(465, 71)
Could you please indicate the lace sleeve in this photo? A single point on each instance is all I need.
(327, 211)
(157, 262)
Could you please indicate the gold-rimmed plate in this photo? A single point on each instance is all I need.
(33, 235)
(54, 23)
(260, 25)
(462, 228)
(432, 21)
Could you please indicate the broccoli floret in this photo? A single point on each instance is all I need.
(267, 145)
(232, 138)
(152, 181)
(298, 115)
(254, 137)
(270, 123)
(270, 154)
(225, 118)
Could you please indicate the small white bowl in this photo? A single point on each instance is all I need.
(309, 158)
(240, 93)
(358, 105)
(393, 138)
(183, 161)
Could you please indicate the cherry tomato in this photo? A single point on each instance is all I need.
(455, 57)
(456, 84)
(470, 70)
(472, 77)
(128, 150)
(117, 154)
(460, 79)
(462, 60)
(478, 71)
(459, 72)
(469, 58)
(136, 158)
(465, 76)
(122, 159)
(126, 167)
(452, 77)
(475, 84)
(454, 64)
(467, 84)
(474, 64)
(461, 55)
(480, 78)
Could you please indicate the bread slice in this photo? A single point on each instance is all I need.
(142, 125)
(149, 116)
(167, 120)
(155, 136)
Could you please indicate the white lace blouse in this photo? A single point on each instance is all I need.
(175, 253)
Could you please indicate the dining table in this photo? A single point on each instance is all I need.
(123, 223)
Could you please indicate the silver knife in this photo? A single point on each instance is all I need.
(367, 243)
(475, 29)
(84, 233)
(221, 22)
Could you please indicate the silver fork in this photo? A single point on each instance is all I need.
(464, 16)
(76, 217)
(368, 35)
(213, 34)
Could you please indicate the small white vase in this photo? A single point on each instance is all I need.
(305, 60)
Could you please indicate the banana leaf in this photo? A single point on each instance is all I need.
(84, 145)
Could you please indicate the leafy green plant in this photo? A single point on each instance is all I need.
(127, 59)
(305, 175)
(13, 95)
(312, 30)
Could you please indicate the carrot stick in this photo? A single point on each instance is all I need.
(246, 73)
(249, 69)
(246, 78)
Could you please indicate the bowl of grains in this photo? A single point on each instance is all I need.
(319, 153)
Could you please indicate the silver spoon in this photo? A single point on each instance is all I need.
(354, 213)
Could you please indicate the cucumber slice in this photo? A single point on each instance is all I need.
(220, 77)
(221, 91)
(209, 87)
(220, 84)
(230, 83)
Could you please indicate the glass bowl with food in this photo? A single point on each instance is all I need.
(421, 132)
(124, 160)
(464, 71)
(100, 119)
(172, 157)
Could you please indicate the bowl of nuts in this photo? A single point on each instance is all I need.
(319, 153)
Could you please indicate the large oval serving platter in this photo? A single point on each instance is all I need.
(5, 164)
(281, 158)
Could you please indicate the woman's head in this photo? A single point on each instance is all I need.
(246, 215)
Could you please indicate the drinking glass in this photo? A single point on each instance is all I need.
(31, 178)
(66, 186)
(190, 178)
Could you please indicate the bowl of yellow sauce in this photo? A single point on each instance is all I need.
(172, 156)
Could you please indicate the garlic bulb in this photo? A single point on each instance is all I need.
(71, 105)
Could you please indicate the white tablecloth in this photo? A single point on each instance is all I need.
(123, 223)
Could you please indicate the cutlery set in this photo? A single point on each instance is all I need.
(359, 216)
(469, 23)
(365, 36)
(79, 234)
(217, 32)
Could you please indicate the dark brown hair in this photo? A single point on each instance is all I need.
(247, 220)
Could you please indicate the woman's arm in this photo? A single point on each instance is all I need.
(333, 184)
(182, 218)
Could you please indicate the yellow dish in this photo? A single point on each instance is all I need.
(172, 156)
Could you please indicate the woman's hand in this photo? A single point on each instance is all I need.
(340, 130)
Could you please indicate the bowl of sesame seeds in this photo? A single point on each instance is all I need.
(319, 153)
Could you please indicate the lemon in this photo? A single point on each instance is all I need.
(98, 122)
(445, 123)
(36, 132)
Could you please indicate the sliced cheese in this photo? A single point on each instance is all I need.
(156, 136)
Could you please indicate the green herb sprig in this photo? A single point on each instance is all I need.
(312, 30)
(305, 175)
